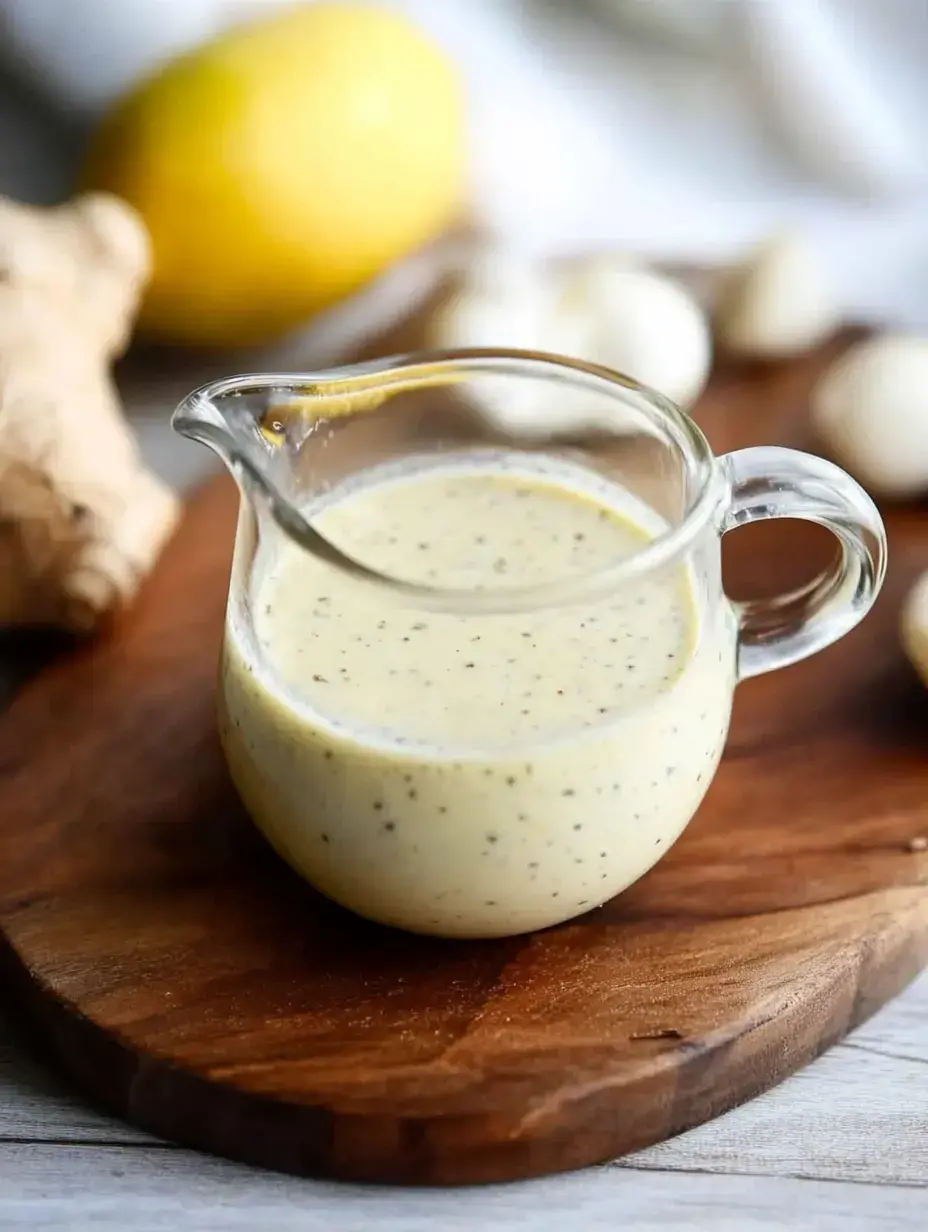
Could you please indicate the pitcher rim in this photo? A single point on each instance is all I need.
(198, 417)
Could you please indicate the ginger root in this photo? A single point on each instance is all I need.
(82, 519)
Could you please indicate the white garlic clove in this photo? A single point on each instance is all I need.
(650, 328)
(779, 302)
(503, 272)
(914, 626)
(515, 314)
(587, 281)
(504, 300)
(870, 410)
(604, 310)
(499, 304)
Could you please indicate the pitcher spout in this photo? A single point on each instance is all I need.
(274, 432)
(208, 416)
(259, 409)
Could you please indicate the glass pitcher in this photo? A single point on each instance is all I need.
(478, 663)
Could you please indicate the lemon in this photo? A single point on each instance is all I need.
(283, 166)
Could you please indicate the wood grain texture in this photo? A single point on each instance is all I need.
(192, 984)
(858, 1113)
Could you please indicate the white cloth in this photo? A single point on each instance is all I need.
(683, 129)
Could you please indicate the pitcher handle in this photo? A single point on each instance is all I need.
(769, 482)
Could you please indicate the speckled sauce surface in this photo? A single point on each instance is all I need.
(484, 773)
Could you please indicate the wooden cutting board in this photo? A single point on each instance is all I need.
(191, 983)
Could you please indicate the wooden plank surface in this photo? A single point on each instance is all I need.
(76, 1190)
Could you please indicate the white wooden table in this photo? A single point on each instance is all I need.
(840, 1147)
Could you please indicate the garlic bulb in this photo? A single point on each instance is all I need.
(604, 310)
(506, 302)
(646, 326)
(870, 410)
(914, 626)
(778, 302)
(502, 301)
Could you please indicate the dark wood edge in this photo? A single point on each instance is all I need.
(314, 1141)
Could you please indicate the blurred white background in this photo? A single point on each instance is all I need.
(682, 129)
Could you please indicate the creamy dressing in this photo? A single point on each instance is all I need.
(479, 774)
